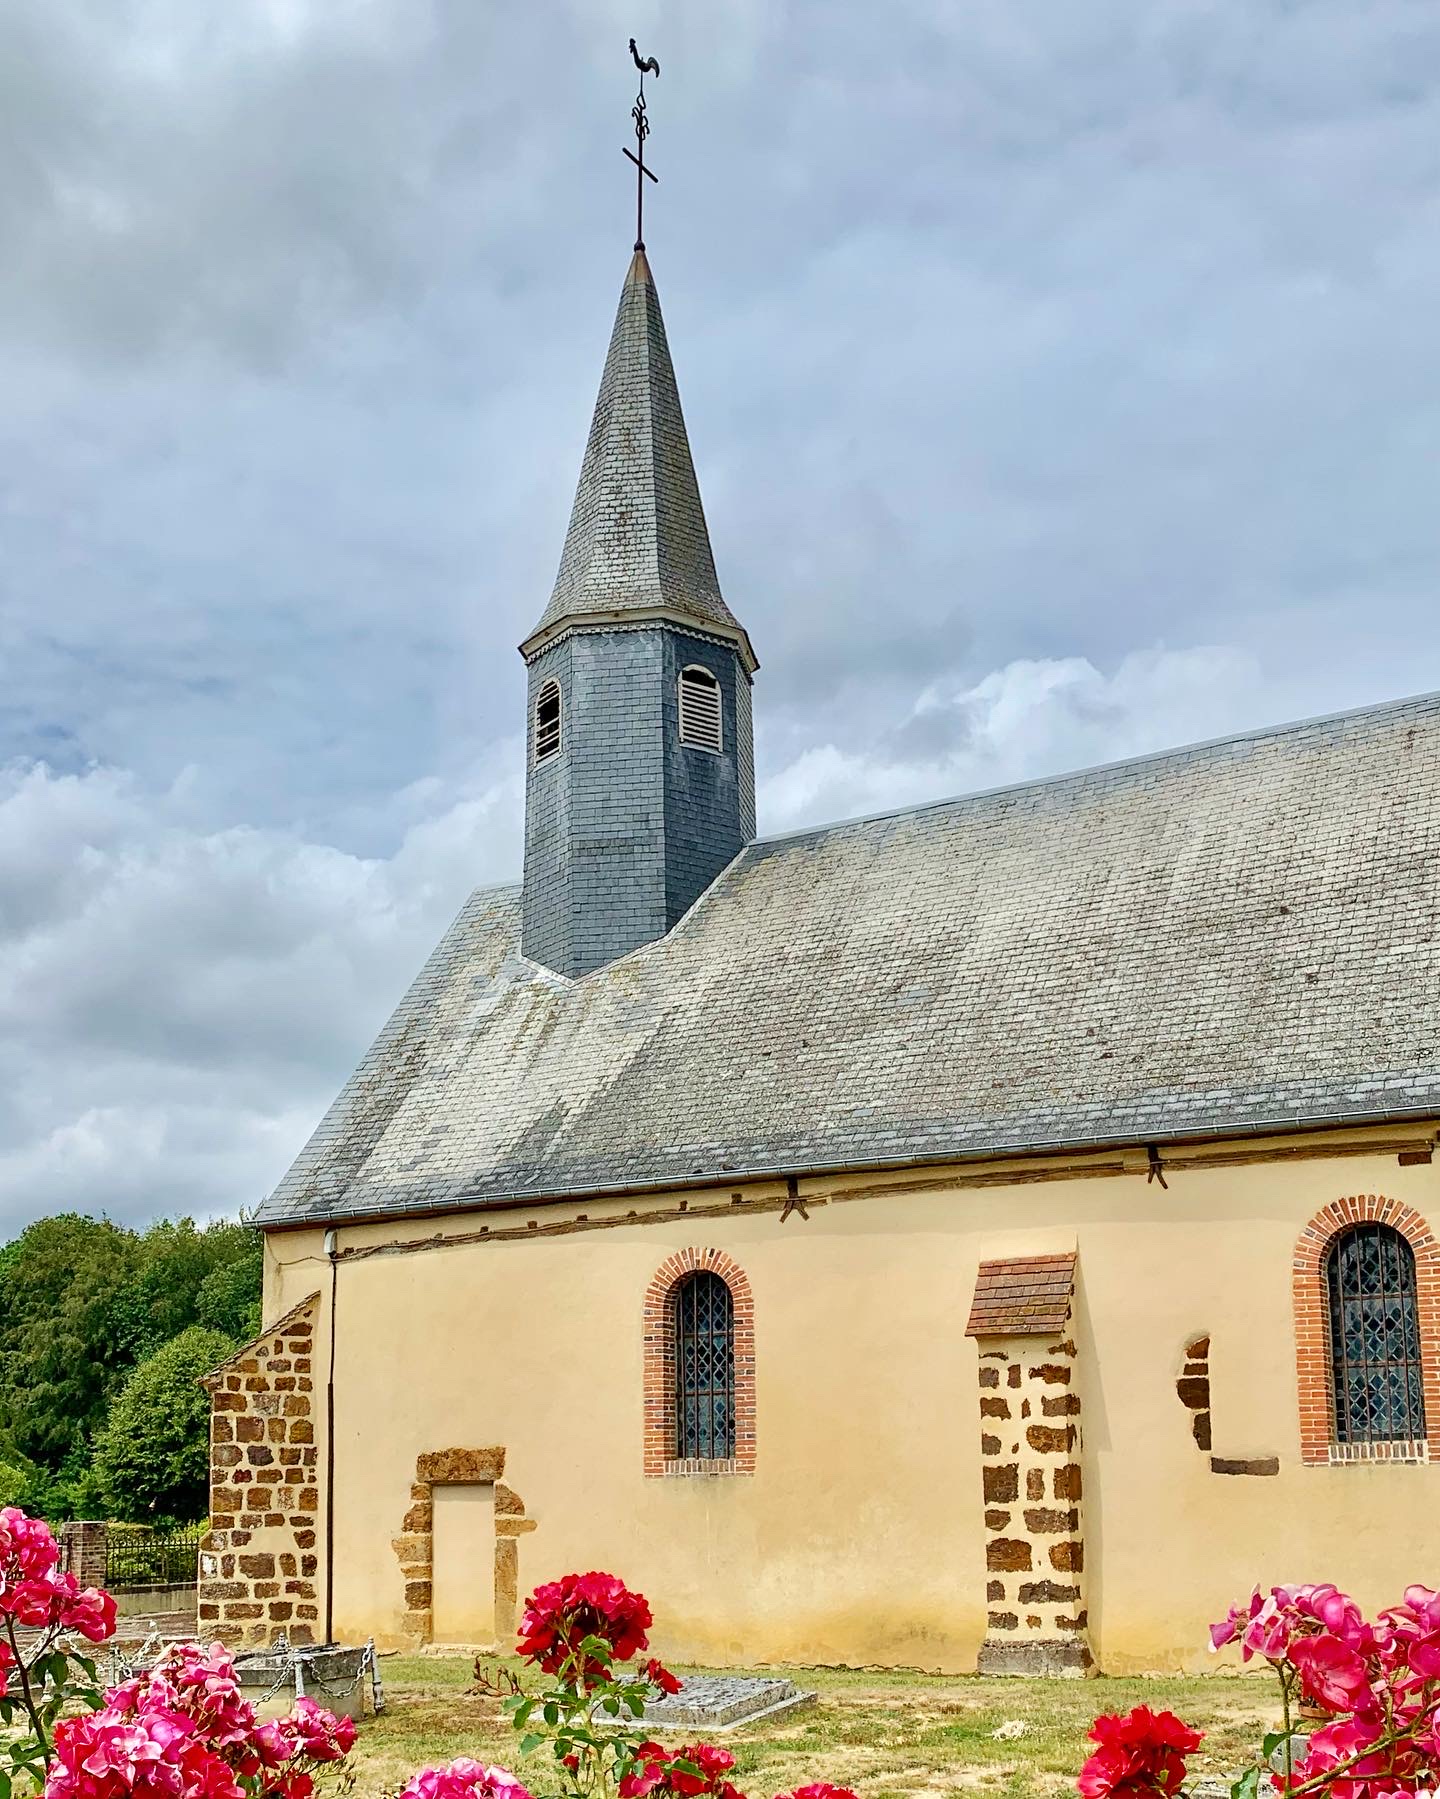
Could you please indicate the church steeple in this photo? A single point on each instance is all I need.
(641, 783)
(637, 541)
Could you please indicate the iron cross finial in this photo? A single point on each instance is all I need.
(647, 65)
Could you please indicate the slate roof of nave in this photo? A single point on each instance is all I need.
(1232, 937)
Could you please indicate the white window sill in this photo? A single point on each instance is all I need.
(1379, 1452)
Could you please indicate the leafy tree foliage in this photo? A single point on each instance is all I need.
(152, 1457)
(229, 1297)
(83, 1301)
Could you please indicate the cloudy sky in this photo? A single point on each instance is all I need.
(1062, 381)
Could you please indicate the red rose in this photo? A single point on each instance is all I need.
(559, 1617)
(1142, 1752)
(685, 1774)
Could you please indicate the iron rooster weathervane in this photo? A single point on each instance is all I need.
(647, 65)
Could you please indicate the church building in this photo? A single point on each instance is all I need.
(994, 1234)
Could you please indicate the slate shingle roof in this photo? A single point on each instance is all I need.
(1236, 936)
(637, 539)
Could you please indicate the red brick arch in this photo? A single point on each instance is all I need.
(1312, 1322)
(659, 1346)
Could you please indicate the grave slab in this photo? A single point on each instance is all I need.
(711, 1702)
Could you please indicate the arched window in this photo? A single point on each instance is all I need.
(547, 721)
(1375, 1357)
(704, 1336)
(700, 711)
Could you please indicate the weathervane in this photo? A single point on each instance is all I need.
(647, 65)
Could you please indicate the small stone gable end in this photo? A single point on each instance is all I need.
(259, 1562)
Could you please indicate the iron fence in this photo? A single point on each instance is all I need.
(137, 1556)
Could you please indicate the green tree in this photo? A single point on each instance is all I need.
(175, 1259)
(63, 1345)
(229, 1296)
(152, 1457)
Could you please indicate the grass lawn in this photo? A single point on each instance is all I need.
(886, 1735)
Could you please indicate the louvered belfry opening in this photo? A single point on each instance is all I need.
(700, 721)
(547, 721)
(1374, 1337)
(704, 1327)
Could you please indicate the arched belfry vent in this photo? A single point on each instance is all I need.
(547, 721)
(700, 710)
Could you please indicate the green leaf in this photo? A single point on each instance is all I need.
(635, 1699)
(551, 1714)
(1247, 1786)
(530, 1743)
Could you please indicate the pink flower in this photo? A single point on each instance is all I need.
(103, 1756)
(463, 1779)
(819, 1789)
(559, 1617)
(91, 1612)
(1331, 1674)
(318, 1733)
(28, 1551)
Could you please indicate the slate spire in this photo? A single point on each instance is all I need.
(638, 542)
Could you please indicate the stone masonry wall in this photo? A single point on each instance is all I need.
(259, 1563)
(1032, 1489)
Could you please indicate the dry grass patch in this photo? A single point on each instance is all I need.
(887, 1736)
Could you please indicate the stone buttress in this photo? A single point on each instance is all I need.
(1032, 1483)
(259, 1563)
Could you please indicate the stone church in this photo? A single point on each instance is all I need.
(992, 1234)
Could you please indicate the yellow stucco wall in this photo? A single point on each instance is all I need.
(859, 1539)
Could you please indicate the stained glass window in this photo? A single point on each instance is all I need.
(704, 1325)
(1374, 1337)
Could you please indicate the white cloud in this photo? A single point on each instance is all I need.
(1028, 719)
(304, 310)
(178, 1005)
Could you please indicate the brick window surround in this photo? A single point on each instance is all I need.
(1312, 1329)
(659, 1353)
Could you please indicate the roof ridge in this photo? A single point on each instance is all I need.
(1375, 710)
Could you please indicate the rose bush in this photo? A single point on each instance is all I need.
(1375, 1687)
(578, 1631)
(184, 1730)
(41, 1675)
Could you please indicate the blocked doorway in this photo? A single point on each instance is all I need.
(463, 1565)
(442, 1559)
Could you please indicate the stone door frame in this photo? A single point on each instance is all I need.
(415, 1545)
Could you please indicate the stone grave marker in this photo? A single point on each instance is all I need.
(710, 1702)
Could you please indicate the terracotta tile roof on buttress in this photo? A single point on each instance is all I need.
(1022, 1296)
